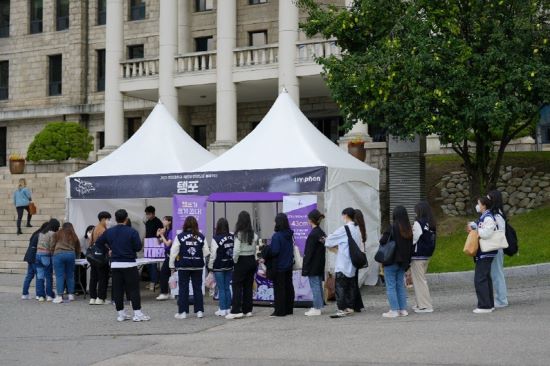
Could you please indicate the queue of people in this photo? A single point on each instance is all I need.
(233, 257)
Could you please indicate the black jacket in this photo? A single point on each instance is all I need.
(403, 247)
(314, 253)
(30, 254)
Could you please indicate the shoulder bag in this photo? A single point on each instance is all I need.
(386, 252)
(358, 258)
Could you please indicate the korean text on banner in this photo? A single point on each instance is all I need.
(184, 206)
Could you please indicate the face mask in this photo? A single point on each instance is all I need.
(478, 208)
(89, 234)
(108, 223)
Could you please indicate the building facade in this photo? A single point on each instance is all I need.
(216, 65)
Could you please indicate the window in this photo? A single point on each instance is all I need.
(203, 44)
(4, 79)
(137, 9)
(101, 12)
(101, 140)
(257, 38)
(62, 15)
(4, 18)
(329, 126)
(204, 5)
(56, 71)
(199, 135)
(36, 16)
(100, 70)
(135, 51)
(132, 125)
(255, 2)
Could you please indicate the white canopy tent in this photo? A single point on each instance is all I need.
(135, 175)
(285, 145)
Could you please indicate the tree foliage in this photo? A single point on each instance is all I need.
(462, 69)
(61, 141)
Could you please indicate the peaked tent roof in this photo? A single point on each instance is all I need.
(285, 138)
(159, 146)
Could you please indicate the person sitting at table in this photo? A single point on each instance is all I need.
(165, 236)
(123, 243)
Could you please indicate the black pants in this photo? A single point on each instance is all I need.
(484, 284)
(20, 211)
(345, 291)
(165, 274)
(183, 295)
(358, 302)
(284, 293)
(99, 280)
(243, 280)
(126, 280)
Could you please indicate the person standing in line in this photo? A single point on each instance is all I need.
(313, 266)
(152, 225)
(99, 273)
(394, 272)
(359, 220)
(123, 243)
(165, 236)
(497, 266)
(30, 258)
(221, 263)
(65, 246)
(22, 199)
(187, 257)
(424, 235)
(344, 269)
(483, 282)
(44, 271)
(244, 257)
(281, 250)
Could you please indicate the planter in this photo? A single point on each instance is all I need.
(358, 151)
(17, 166)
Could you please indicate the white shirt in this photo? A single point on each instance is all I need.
(417, 232)
(339, 238)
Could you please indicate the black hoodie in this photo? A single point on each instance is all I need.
(282, 250)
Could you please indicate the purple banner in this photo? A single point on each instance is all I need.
(153, 248)
(183, 206)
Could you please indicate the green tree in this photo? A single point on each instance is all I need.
(61, 141)
(473, 72)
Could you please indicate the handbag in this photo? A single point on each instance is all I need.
(330, 288)
(386, 252)
(494, 242)
(358, 258)
(32, 208)
(210, 281)
(96, 256)
(472, 244)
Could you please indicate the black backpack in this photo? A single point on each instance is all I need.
(512, 239)
(358, 258)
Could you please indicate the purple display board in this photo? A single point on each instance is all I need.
(183, 206)
(153, 248)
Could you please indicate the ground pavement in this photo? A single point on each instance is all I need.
(33, 333)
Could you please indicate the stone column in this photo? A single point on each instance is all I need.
(184, 27)
(226, 92)
(288, 36)
(168, 46)
(359, 131)
(114, 54)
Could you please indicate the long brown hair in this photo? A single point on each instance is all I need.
(191, 225)
(66, 234)
(359, 220)
(401, 219)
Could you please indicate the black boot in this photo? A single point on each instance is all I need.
(19, 232)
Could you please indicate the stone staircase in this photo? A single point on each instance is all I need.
(48, 192)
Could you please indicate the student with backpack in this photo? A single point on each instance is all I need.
(497, 266)
(221, 263)
(423, 247)
(187, 257)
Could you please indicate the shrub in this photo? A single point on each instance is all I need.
(61, 141)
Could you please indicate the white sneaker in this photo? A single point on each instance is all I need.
(58, 300)
(248, 315)
(234, 316)
(313, 312)
(339, 314)
(403, 313)
(141, 318)
(391, 314)
(423, 310)
(25, 297)
(415, 308)
(98, 301)
(37, 297)
(163, 297)
(482, 311)
(123, 317)
(220, 312)
(181, 316)
(92, 301)
(41, 299)
(200, 314)
(71, 297)
(172, 297)
(49, 298)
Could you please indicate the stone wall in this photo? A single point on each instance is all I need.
(523, 189)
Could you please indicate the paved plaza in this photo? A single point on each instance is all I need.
(79, 334)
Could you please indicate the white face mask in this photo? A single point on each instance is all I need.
(478, 208)
(108, 223)
(90, 234)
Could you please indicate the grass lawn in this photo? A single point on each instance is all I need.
(533, 230)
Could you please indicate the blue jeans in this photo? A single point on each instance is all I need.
(44, 274)
(63, 264)
(499, 283)
(316, 284)
(395, 287)
(31, 272)
(223, 282)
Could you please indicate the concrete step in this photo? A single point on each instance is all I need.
(19, 267)
(19, 251)
(13, 216)
(12, 229)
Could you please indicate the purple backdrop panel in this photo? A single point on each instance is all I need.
(246, 197)
(183, 206)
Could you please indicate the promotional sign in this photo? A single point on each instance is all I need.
(289, 180)
(153, 248)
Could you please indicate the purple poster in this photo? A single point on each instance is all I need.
(183, 206)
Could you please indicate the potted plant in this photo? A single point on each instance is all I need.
(356, 148)
(17, 164)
